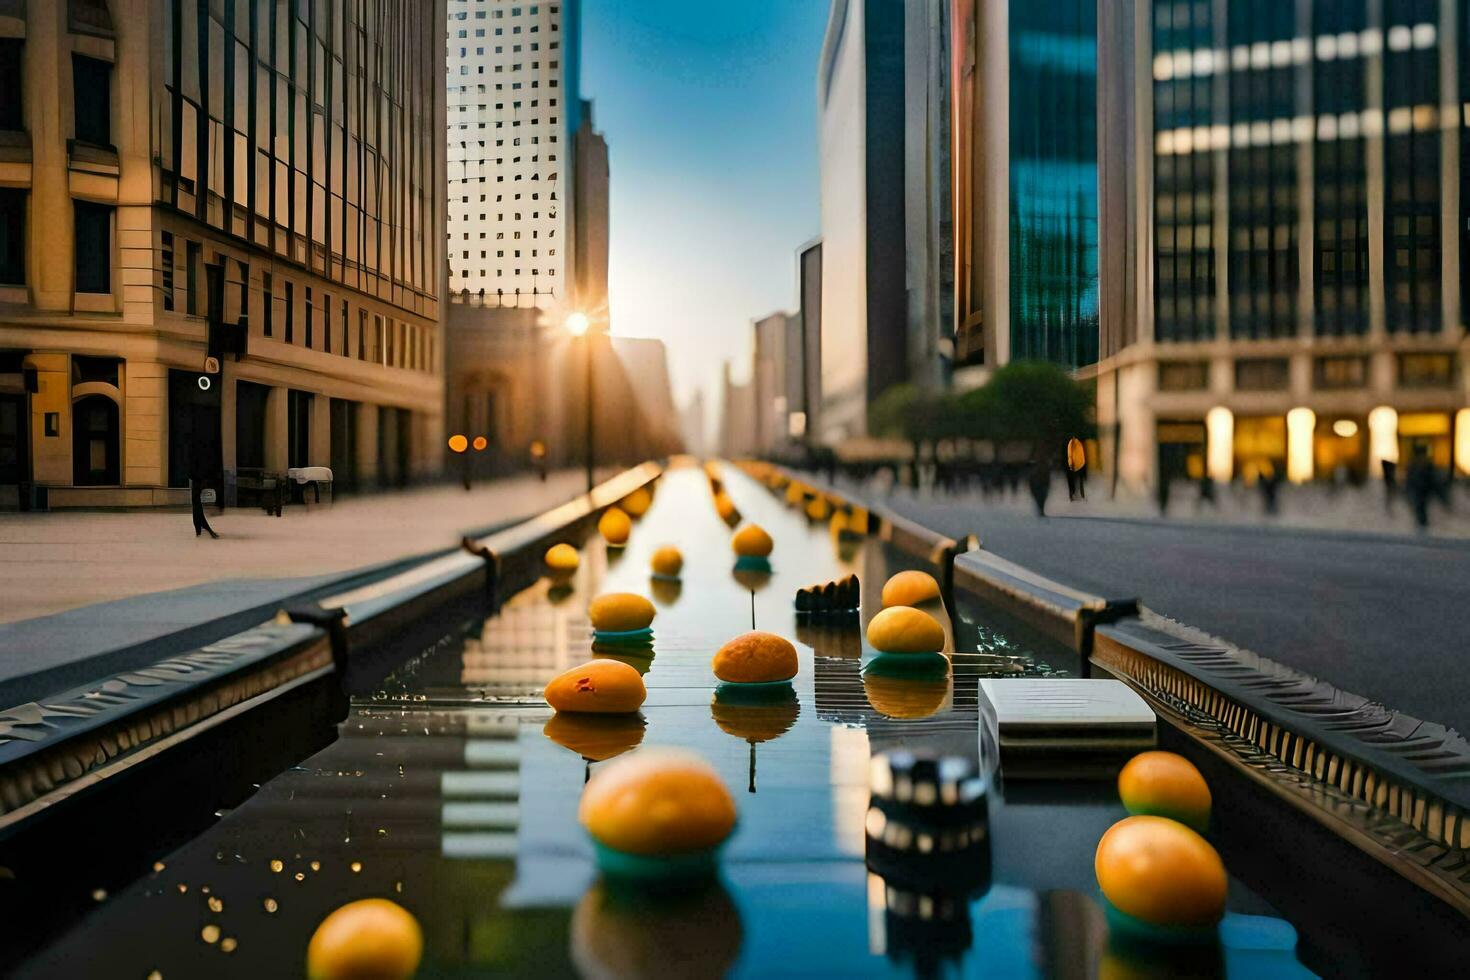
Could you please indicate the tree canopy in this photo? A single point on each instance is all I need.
(1033, 402)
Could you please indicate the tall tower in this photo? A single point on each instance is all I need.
(512, 107)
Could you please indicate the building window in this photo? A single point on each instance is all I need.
(1262, 374)
(11, 78)
(1426, 370)
(12, 237)
(267, 313)
(290, 313)
(310, 315)
(193, 258)
(92, 88)
(1339, 372)
(1184, 375)
(167, 272)
(93, 247)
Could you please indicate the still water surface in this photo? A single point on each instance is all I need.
(451, 791)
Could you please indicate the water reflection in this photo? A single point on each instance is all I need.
(639, 656)
(908, 691)
(755, 719)
(629, 935)
(468, 816)
(596, 738)
(665, 591)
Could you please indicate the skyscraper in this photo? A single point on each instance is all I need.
(1285, 216)
(513, 106)
(887, 312)
(1024, 157)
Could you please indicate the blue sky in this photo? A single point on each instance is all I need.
(709, 110)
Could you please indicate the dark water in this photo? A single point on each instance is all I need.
(447, 792)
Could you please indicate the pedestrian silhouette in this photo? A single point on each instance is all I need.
(1270, 484)
(1040, 484)
(198, 474)
(1206, 492)
(1419, 484)
(1390, 483)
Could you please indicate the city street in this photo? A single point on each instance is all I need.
(1378, 615)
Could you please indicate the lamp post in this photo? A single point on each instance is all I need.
(458, 444)
(578, 326)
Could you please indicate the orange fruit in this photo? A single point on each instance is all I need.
(600, 686)
(657, 802)
(562, 558)
(372, 939)
(614, 526)
(619, 612)
(1161, 872)
(1165, 785)
(909, 589)
(903, 629)
(667, 561)
(752, 541)
(756, 658)
(636, 504)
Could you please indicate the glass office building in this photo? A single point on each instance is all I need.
(1284, 185)
(1024, 161)
(1053, 182)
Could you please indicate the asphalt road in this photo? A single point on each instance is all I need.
(1384, 617)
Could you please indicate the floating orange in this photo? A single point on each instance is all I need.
(371, 938)
(1166, 785)
(1161, 872)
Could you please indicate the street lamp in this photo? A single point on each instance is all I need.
(578, 325)
(458, 444)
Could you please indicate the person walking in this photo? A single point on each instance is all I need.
(1076, 469)
(198, 473)
(1040, 484)
(1420, 485)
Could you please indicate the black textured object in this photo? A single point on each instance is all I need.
(840, 595)
(928, 824)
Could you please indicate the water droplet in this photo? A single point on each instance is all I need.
(316, 865)
(215, 905)
(183, 888)
(356, 866)
(99, 894)
(271, 905)
(155, 975)
(300, 876)
(210, 933)
(228, 944)
(157, 866)
(278, 866)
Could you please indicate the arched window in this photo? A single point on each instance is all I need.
(94, 442)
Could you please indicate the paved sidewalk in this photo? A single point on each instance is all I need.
(58, 561)
(1312, 507)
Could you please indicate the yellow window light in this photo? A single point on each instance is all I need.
(1345, 428)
